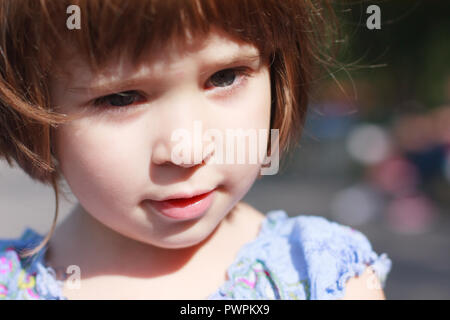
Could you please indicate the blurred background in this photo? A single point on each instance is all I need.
(375, 152)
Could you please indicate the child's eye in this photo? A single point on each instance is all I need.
(227, 78)
(223, 78)
(120, 99)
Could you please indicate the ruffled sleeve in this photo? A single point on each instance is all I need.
(302, 257)
(334, 253)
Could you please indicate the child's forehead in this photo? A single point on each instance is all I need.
(215, 47)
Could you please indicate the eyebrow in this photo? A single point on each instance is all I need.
(120, 85)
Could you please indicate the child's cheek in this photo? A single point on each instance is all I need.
(100, 166)
(250, 108)
(249, 112)
(240, 177)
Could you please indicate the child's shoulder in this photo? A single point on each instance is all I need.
(302, 257)
(314, 233)
(25, 278)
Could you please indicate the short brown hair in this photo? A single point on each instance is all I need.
(290, 33)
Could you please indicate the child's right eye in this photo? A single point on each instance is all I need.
(120, 99)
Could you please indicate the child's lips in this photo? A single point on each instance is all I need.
(184, 208)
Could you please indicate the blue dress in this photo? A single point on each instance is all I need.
(302, 257)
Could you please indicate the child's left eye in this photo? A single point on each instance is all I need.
(227, 77)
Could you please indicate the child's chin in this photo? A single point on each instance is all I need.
(183, 241)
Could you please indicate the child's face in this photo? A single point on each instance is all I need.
(114, 162)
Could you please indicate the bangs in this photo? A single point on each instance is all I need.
(116, 27)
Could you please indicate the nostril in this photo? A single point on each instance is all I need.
(186, 165)
(207, 158)
(198, 164)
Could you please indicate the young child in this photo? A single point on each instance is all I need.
(94, 94)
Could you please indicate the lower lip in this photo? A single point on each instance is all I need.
(183, 209)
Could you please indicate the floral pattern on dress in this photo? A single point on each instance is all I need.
(15, 282)
(22, 279)
(302, 257)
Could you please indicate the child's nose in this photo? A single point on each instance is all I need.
(197, 153)
(180, 138)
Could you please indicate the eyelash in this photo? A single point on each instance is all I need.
(242, 75)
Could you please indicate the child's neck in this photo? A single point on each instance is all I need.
(82, 240)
